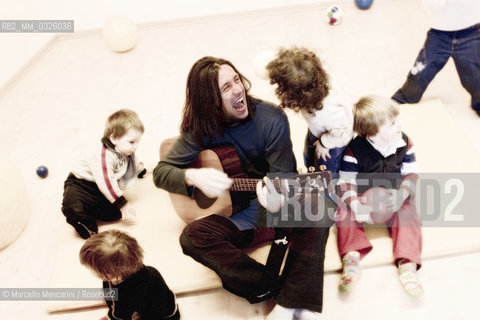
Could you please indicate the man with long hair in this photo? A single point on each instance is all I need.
(218, 110)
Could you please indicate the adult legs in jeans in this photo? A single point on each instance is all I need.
(431, 59)
(466, 56)
(301, 285)
(216, 242)
(219, 244)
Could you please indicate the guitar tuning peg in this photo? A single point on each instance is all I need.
(311, 169)
(322, 167)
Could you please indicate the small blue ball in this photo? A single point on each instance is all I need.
(42, 172)
(364, 4)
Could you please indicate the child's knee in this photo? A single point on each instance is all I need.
(75, 211)
(112, 214)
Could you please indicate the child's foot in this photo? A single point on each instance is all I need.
(281, 313)
(129, 216)
(305, 314)
(351, 271)
(407, 274)
(85, 230)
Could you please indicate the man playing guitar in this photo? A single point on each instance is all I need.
(218, 110)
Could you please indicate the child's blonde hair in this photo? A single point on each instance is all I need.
(302, 81)
(371, 112)
(112, 255)
(120, 122)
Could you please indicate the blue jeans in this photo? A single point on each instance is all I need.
(463, 46)
(310, 160)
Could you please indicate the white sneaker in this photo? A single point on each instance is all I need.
(305, 314)
(281, 313)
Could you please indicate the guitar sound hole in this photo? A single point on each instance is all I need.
(202, 200)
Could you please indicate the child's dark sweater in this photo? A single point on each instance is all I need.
(144, 295)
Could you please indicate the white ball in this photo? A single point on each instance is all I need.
(260, 63)
(14, 204)
(120, 34)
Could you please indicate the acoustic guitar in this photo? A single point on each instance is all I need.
(225, 158)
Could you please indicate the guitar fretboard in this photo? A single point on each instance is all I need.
(248, 184)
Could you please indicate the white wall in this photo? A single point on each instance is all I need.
(18, 49)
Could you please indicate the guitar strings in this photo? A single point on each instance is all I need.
(246, 184)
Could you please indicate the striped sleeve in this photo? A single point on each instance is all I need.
(347, 185)
(409, 169)
(349, 162)
(106, 176)
(101, 167)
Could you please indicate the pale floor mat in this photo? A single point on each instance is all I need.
(58, 106)
(158, 228)
(377, 296)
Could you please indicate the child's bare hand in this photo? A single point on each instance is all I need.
(396, 199)
(320, 151)
(129, 215)
(361, 212)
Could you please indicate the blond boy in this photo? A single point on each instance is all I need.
(94, 188)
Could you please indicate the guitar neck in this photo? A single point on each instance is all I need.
(309, 183)
(248, 184)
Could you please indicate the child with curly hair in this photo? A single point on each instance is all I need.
(303, 86)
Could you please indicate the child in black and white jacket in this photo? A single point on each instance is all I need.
(94, 188)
